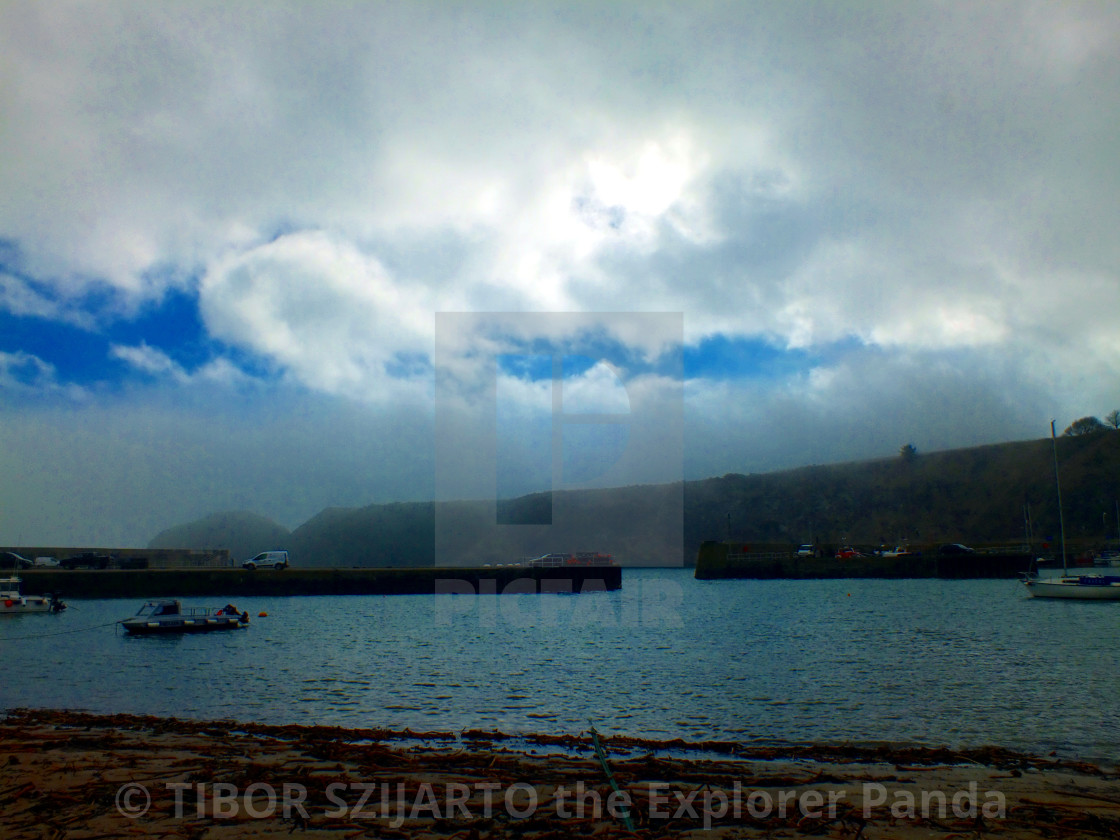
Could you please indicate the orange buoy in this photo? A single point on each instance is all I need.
(262, 615)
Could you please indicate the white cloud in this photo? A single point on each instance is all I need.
(147, 359)
(28, 376)
(18, 369)
(598, 390)
(322, 310)
(929, 181)
(167, 137)
(20, 298)
(158, 364)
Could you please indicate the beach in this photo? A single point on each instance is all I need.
(69, 775)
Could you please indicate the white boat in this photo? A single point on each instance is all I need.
(14, 602)
(1083, 587)
(170, 616)
(1076, 587)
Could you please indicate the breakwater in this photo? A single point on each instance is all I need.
(230, 583)
(715, 561)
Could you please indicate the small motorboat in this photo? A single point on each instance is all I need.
(13, 602)
(170, 616)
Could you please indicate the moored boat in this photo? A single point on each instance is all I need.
(1075, 587)
(1083, 587)
(170, 616)
(14, 602)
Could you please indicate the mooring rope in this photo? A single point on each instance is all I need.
(59, 633)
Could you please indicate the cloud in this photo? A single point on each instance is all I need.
(22, 298)
(158, 364)
(23, 370)
(885, 196)
(864, 403)
(329, 315)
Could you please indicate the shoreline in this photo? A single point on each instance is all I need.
(233, 583)
(70, 775)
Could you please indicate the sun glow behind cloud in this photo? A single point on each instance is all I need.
(855, 209)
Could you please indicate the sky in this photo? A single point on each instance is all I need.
(228, 232)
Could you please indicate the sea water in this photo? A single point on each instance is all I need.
(959, 663)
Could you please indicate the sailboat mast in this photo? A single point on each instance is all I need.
(1058, 484)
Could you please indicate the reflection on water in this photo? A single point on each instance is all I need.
(926, 661)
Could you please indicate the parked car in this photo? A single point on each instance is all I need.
(847, 553)
(89, 560)
(45, 563)
(807, 551)
(900, 551)
(267, 560)
(11, 560)
(955, 548)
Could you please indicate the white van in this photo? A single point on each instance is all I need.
(268, 560)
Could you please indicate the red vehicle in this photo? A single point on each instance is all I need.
(847, 553)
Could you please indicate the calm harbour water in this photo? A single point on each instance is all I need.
(962, 663)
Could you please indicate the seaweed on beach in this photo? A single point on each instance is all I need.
(62, 774)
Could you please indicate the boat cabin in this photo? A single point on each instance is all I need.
(157, 608)
(10, 588)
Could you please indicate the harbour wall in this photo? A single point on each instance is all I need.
(715, 561)
(135, 558)
(236, 583)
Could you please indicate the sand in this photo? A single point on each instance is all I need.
(80, 776)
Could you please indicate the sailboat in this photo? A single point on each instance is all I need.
(1080, 587)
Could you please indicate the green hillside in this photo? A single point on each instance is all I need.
(980, 495)
(976, 495)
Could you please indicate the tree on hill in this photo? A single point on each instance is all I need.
(1113, 419)
(908, 452)
(1083, 426)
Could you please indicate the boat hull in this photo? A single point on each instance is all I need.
(150, 627)
(25, 605)
(1073, 590)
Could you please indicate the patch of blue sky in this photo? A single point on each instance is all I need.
(723, 357)
(576, 356)
(173, 326)
(532, 367)
(82, 355)
(77, 355)
(539, 367)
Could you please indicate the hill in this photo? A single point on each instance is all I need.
(463, 533)
(977, 495)
(242, 532)
(397, 534)
(982, 494)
